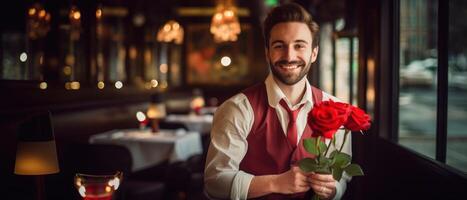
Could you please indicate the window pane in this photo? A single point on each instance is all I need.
(418, 63)
(457, 94)
(344, 68)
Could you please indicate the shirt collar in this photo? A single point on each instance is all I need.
(275, 94)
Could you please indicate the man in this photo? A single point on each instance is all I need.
(257, 135)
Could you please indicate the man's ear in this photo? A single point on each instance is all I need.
(314, 54)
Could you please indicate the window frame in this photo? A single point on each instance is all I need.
(388, 108)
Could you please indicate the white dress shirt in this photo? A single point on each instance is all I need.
(232, 123)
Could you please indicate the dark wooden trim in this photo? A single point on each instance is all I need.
(442, 101)
(334, 61)
(351, 74)
(394, 72)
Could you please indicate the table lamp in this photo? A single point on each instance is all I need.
(156, 111)
(36, 153)
(197, 102)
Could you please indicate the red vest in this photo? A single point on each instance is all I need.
(269, 151)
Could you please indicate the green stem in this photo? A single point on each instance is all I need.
(343, 141)
(327, 147)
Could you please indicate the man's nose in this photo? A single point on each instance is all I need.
(290, 54)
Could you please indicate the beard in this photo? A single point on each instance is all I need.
(290, 78)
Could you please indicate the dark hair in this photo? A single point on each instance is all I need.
(290, 12)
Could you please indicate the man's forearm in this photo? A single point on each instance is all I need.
(261, 185)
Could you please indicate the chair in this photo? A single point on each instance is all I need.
(106, 159)
(185, 180)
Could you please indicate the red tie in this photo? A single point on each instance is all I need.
(292, 127)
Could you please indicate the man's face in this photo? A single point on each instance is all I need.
(290, 52)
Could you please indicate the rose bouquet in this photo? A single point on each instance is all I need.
(325, 119)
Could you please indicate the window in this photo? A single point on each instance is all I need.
(433, 80)
(338, 58)
(456, 153)
(417, 69)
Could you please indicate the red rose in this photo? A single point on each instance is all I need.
(325, 118)
(358, 120)
(343, 110)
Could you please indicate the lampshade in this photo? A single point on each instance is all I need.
(156, 109)
(36, 153)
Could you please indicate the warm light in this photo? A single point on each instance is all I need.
(67, 86)
(154, 83)
(32, 11)
(164, 68)
(75, 85)
(118, 84)
(225, 61)
(228, 13)
(108, 189)
(147, 85)
(41, 60)
(23, 57)
(218, 16)
(48, 17)
(224, 24)
(76, 15)
(36, 158)
(164, 84)
(98, 13)
(42, 13)
(78, 182)
(67, 70)
(140, 116)
(43, 85)
(197, 102)
(171, 31)
(167, 27)
(156, 111)
(175, 26)
(38, 21)
(100, 85)
(133, 52)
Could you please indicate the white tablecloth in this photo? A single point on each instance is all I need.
(198, 123)
(148, 149)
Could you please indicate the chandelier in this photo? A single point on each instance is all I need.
(38, 21)
(224, 25)
(171, 31)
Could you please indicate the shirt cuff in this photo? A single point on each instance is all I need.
(340, 189)
(241, 185)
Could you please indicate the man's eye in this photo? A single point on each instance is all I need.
(299, 46)
(277, 47)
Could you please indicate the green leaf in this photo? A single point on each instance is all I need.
(337, 173)
(326, 170)
(341, 159)
(310, 146)
(333, 153)
(322, 147)
(308, 165)
(315, 197)
(354, 170)
(324, 162)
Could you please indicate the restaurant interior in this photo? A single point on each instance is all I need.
(125, 92)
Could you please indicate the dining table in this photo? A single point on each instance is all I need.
(150, 149)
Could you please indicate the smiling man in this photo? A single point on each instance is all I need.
(257, 135)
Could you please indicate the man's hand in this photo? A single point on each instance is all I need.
(324, 185)
(290, 182)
